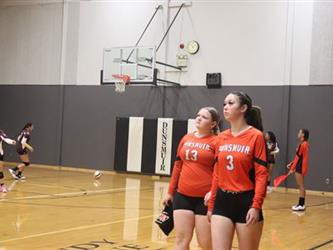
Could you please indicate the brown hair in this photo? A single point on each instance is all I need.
(253, 113)
(27, 125)
(306, 134)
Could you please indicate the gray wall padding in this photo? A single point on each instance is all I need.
(39, 105)
(89, 121)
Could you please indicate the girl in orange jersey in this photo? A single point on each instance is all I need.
(240, 176)
(300, 166)
(191, 180)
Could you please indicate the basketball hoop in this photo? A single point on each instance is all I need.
(120, 82)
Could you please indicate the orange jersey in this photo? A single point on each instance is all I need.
(193, 170)
(301, 157)
(241, 165)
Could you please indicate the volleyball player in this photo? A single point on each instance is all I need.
(240, 176)
(272, 151)
(23, 148)
(3, 137)
(191, 180)
(299, 166)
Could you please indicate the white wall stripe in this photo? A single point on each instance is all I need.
(164, 146)
(134, 153)
(191, 126)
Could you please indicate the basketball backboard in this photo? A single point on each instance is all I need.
(137, 62)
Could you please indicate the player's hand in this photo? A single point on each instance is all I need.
(209, 216)
(207, 198)
(13, 142)
(31, 150)
(289, 165)
(167, 199)
(291, 172)
(252, 216)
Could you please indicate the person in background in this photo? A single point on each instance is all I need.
(272, 151)
(23, 148)
(299, 166)
(3, 138)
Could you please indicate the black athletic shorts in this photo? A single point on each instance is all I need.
(234, 205)
(21, 151)
(1, 157)
(299, 167)
(195, 204)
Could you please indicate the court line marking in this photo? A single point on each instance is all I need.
(60, 195)
(321, 245)
(53, 186)
(74, 229)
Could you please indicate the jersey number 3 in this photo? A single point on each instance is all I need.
(191, 155)
(230, 165)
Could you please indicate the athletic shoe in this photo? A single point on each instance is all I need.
(13, 173)
(298, 208)
(3, 189)
(20, 177)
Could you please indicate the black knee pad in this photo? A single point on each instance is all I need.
(1, 175)
(26, 163)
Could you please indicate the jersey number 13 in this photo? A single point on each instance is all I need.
(191, 155)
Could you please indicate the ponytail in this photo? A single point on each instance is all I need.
(253, 113)
(253, 117)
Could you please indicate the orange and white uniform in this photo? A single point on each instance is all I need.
(301, 161)
(193, 169)
(241, 165)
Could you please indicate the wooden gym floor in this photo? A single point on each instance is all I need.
(62, 209)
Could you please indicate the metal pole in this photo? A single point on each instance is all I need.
(144, 31)
(169, 65)
(166, 33)
(169, 82)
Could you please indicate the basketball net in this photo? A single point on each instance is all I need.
(120, 82)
